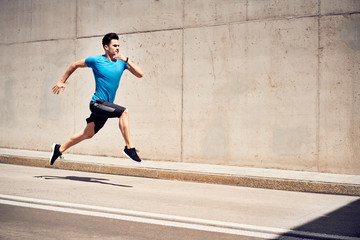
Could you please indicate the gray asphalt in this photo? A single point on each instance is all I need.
(27, 223)
(301, 215)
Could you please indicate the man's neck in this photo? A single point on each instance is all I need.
(108, 56)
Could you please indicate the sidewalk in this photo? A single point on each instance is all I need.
(204, 173)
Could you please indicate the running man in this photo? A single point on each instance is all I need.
(107, 70)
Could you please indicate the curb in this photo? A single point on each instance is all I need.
(233, 180)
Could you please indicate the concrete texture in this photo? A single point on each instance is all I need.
(340, 118)
(336, 7)
(127, 16)
(265, 84)
(24, 21)
(200, 13)
(267, 9)
(237, 95)
(300, 181)
(28, 105)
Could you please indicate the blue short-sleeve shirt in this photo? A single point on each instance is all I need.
(107, 76)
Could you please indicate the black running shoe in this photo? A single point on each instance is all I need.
(131, 153)
(56, 153)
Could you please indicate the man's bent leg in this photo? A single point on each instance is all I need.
(125, 128)
(129, 150)
(87, 133)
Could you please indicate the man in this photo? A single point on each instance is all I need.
(107, 69)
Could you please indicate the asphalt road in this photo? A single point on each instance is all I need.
(45, 203)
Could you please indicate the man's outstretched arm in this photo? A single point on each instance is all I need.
(61, 84)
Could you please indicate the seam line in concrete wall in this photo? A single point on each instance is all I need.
(150, 31)
(318, 92)
(247, 10)
(188, 27)
(35, 41)
(75, 56)
(76, 19)
(268, 19)
(31, 19)
(182, 88)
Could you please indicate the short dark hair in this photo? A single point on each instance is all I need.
(108, 37)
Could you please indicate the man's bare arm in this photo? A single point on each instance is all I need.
(133, 68)
(61, 84)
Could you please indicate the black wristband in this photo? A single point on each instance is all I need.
(127, 59)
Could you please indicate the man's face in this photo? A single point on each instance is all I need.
(113, 47)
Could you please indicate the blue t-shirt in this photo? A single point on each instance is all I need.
(107, 76)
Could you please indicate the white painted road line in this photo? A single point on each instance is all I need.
(147, 214)
(140, 219)
(161, 219)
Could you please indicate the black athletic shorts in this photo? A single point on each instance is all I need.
(101, 111)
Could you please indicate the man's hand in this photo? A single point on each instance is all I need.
(59, 86)
(120, 57)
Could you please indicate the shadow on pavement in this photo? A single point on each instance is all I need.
(343, 223)
(84, 179)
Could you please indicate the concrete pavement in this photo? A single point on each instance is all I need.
(129, 201)
(206, 173)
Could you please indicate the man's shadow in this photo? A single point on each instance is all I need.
(84, 179)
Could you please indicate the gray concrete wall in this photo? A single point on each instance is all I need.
(263, 83)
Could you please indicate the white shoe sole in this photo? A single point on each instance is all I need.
(52, 155)
(53, 148)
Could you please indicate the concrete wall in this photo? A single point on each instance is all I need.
(263, 83)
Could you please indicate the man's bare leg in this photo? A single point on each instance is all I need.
(125, 128)
(129, 151)
(87, 133)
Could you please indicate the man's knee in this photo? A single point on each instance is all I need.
(89, 130)
(89, 134)
(125, 113)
